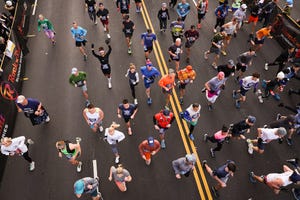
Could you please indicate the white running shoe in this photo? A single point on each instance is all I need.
(30, 141)
(117, 160)
(108, 35)
(101, 128)
(135, 101)
(79, 166)
(109, 85)
(250, 148)
(32, 166)
(47, 119)
(266, 67)
(104, 29)
(78, 140)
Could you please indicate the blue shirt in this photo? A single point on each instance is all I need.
(31, 106)
(148, 39)
(183, 9)
(221, 11)
(149, 73)
(127, 112)
(79, 33)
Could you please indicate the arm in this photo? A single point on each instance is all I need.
(19, 109)
(219, 180)
(137, 77)
(101, 115)
(141, 147)
(259, 132)
(206, 85)
(94, 54)
(39, 26)
(77, 148)
(135, 110)
(85, 117)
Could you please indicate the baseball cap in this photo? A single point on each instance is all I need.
(191, 158)
(164, 5)
(231, 62)
(281, 131)
(189, 67)
(166, 112)
(243, 6)
(74, 70)
(151, 141)
(251, 119)
(20, 99)
(280, 75)
(79, 187)
(8, 3)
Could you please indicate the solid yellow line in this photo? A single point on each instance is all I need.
(157, 48)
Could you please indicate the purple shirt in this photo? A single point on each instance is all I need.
(31, 106)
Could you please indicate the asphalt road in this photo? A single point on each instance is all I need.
(48, 69)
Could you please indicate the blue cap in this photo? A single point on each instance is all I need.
(79, 187)
(151, 141)
(251, 119)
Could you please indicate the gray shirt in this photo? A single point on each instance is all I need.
(180, 166)
(215, 83)
(119, 177)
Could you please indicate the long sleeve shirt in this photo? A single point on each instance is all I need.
(183, 9)
(18, 143)
(180, 166)
(116, 137)
(79, 33)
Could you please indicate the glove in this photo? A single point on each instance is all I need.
(107, 41)
(92, 45)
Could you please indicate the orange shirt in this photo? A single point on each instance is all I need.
(167, 81)
(260, 34)
(185, 75)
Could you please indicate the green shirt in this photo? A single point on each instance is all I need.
(45, 25)
(78, 80)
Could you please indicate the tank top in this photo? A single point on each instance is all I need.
(229, 30)
(93, 117)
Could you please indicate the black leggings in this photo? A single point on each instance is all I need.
(220, 22)
(163, 23)
(132, 88)
(26, 157)
(192, 127)
(213, 140)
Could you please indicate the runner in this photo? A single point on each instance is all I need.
(167, 83)
(128, 28)
(113, 137)
(47, 27)
(238, 130)
(191, 36)
(120, 176)
(254, 13)
(202, 8)
(274, 87)
(219, 138)
(104, 61)
(78, 79)
(213, 88)
(230, 29)
(79, 34)
(260, 36)
(267, 10)
(90, 5)
(221, 13)
(282, 59)
(177, 29)
(175, 51)
(191, 116)
(103, 14)
(184, 165)
(147, 41)
(149, 148)
(220, 174)
(93, 117)
(244, 61)
(127, 111)
(138, 5)
(163, 16)
(133, 77)
(228, 69)
(33, 109)
(183, 9)
(162, 121)
(87, 185)
(277, 181)
(185, 76)
(236, 4)
(149, 73)
(216, 45)
(17, 146)
(71, 151)
(240, 15)
(265, 136)
(123, 7)
(245, 85)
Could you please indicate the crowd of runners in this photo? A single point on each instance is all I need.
(229, 20)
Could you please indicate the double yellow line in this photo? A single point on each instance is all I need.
(182, 125)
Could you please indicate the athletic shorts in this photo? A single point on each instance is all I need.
(147, 155)
(94, 194)
(84, 88)
(146, 49)
(166, 92)
(215, 50)
(189, 44)
(182, 85)
(253, 19)
(106, 71)
(147, 84)
(128, 35)
(104, 22)
(125, 11)
(243, 91)
(80, 43)
(256, 41)
(260, 144)
(243, 68)
(126, 119)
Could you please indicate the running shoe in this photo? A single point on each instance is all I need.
(204, 162)
(278, 116)
(250, 148)
(293, 161)
(108, 35)
(215, 192)
(237, 104)
(224, 53)
(210, 107)
(205, 55)
(129, 131)
(79, 166)
(109, 85)
(181, 101)
(32, 166)
(198, 26)
(289, 141)
(135, 101)
(96, 23)
(163, 144)
(215, 30)
(104, 29)
(117, 159)
(129, 51)
(234, 94)
(30, 141)
(101, 128)
(212, 153)
(47, 119)
(191, 136)
(85, 57)
(149, 101)
(205, 137)
(296, 193)
(187, 60)
(78, 140)
(266, 66)
(251, 177)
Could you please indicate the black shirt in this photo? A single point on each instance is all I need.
(104, 60)
(90, 5)
(227, 71)
(102, 14)
(128, 27)
(240, 128)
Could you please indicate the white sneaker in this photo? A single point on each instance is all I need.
(101, 128)
(108, 35)
(96, 22)
(79, 166)
(250, 148)
(32, 166)
(109, 85)
(78, 140)
(47, 119)
(104, 29)
(30, 141)
(117, 160)
(135, 101)
(266, 67)
(129, 131)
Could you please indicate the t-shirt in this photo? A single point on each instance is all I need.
(219, 136)
(103, 14)
(78, 80)
(127, 112)
(245, 58)
(262, 33)
(18, 144)
(120, 177)
(177, 28)
(45, 25)
(240, 127)
(90, 5)
(268, 134)
(215, 83)
(123, 4)
(31, 106)
(227, 71)
(193, 114)
(128, 27)
(175, 50)
(78, 33)
(248, 82)
(218, 38)
(148, 39)
(149, 75)
(163, 14)
(191, 36)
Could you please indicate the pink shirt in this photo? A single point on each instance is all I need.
(218, 135)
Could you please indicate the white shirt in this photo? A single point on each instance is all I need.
(283, 176)
(17, 143)
(194, 114)
(93, 117)
(269, 134)
(117, 136)
(248, 82)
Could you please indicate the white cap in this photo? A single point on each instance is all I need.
(20, 99)
(164, 5)
(74, 70)
(8, 3)
(244, 6)
(280, 75)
